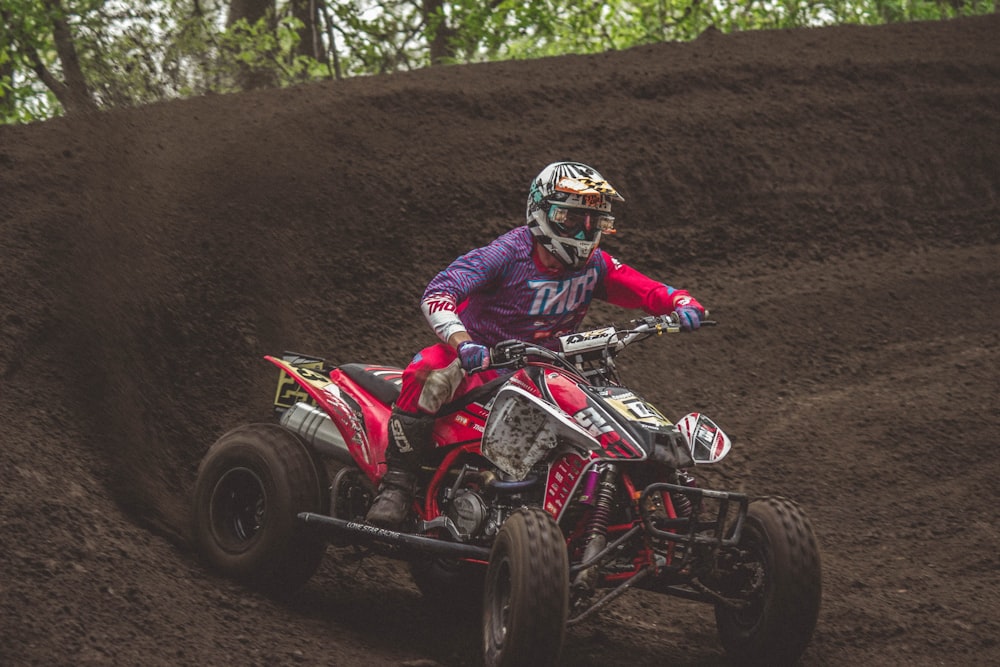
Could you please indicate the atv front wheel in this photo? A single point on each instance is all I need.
(778, 574)
(251, 485)
(527, 592)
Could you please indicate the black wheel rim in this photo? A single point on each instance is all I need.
(238, 509)
(754, 585)
(498, 607)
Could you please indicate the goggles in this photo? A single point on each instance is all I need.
(582, 224)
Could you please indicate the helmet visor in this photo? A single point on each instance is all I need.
(582, 224)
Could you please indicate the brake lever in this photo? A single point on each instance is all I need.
(508, 354)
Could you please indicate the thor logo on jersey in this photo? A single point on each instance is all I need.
(556, 297)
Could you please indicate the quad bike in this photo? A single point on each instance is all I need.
(553, 491)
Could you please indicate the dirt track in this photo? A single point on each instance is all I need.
(832, 195)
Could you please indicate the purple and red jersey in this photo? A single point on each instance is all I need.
(501, 292)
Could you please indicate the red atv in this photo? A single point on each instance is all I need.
(554, 490)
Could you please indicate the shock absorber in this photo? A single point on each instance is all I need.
(596, 535)
(682, 504)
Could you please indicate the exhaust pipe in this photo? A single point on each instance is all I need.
(316, 427)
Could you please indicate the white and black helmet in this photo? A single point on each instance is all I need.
(569, 207)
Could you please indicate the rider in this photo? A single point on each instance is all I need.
(534, 284)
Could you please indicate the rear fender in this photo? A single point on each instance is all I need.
(308, 383)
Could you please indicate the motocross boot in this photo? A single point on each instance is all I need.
(409, 438)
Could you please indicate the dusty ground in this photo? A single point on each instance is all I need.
(831, 195)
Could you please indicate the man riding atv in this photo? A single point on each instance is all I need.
(534, 284)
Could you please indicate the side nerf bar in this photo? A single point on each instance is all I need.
(366, 533)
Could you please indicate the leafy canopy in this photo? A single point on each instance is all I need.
(127, 52)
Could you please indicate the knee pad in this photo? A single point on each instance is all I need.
(440, 386)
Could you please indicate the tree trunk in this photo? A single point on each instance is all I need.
(248, 77)
(310, 40)
(74, 93)
(441, 50)
(251, 10)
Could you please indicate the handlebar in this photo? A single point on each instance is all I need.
(603, 342)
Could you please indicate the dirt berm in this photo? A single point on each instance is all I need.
(830, 194)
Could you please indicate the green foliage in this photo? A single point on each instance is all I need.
(140, 51)
(23, 97)
(378, 42)
(260, 48)
(25, 101)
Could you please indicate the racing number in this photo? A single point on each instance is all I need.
(639, 408)
(290, 392)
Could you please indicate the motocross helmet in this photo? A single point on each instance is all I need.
(569, 207)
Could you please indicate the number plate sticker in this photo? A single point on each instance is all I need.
(289, 390)
(635, 409)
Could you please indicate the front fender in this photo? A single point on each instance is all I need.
(523, 428)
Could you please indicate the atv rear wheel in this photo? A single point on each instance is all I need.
(527, 592)
(251, 485)
(779, 574)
